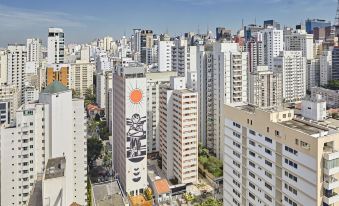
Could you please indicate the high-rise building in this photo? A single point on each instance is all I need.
(81, 77)
(312, 74)
(16, 61)
(34, 53)
(292, 64)
(315, 23)
(9, 94)
(129, 130)
(146, 43)
(205, 92)
(3, 66)
(335, 63)
(273, 44)
(58, 72)
(54, 127)
(265, 88)
(223, 33)
(154, 82)
(179, 131)
(272, 23)
(277, 158)
(229, 85)
(300, 41)
(55, 46)
(165, 53)
(184, 61)
(325, 67)
(255, 49)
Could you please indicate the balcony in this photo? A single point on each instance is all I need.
(332, 198)
(331, 183)
(330, 153)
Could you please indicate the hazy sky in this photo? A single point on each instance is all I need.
(84, 20)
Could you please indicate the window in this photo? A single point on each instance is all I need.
(251, 185)
(277, 133)
(251, 142)
(291, 189)
(251, 174)
(268, 186)
(268, 163)
(291, 176)
(269, 140)
(290, 150)
(304, 145)
(251, 195)
(268, 174)
(251, 153)
(268, 151)
(236, 134)
(252, 164)
(291, 163)
(252, 132)
(268, 129)
(236, 124)
(268, 197)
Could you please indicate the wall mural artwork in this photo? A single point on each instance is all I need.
(136, 138)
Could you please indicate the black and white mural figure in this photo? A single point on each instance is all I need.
(136, 138)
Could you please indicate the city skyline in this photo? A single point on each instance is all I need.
(83, 23)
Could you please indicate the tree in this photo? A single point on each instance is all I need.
(94, 148)
(333, 84)
(211, 202)
(148, 194)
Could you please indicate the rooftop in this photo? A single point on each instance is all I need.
(55, 168)
(105, 194)
(162, 186)
(302, 126)
(55, 87)
(139, 200)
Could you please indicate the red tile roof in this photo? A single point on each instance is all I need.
(162, 186)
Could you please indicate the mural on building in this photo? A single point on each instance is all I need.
(136, 149)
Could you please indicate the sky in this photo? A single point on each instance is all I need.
(85, 20)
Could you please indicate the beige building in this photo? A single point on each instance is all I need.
(9, 93)
(81, 77)
(275, 157)
(265, 87)
(179, 131)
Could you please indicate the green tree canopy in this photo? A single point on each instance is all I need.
(94, 148)
(210, 202)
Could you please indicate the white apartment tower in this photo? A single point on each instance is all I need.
(265, 88)
(273, 44)
(300, 41)
(129, 127)
(165, 53)
(273, 157)
(293, 67)
(154, 82)
(3, 66)
(255, 49)
(16, 61)
(325, 67)
(229, 85)
(54, 127)
(205, 91)
(179, 131)
(34, 53)
(55, 46)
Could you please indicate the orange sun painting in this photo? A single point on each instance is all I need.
(135, 96)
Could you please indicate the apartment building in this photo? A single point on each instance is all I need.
(312, 73)
(275, 157)
(16, 61)
(55, 46)
(3, 66)
(229, 85)
(265, 87)
(129, 129)
(9, 94)
(293, 67)
(58, 72)
(325, 67)
(300, 41)
(154, 82)
(273, 44)
(179, 131)
(81, 77)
